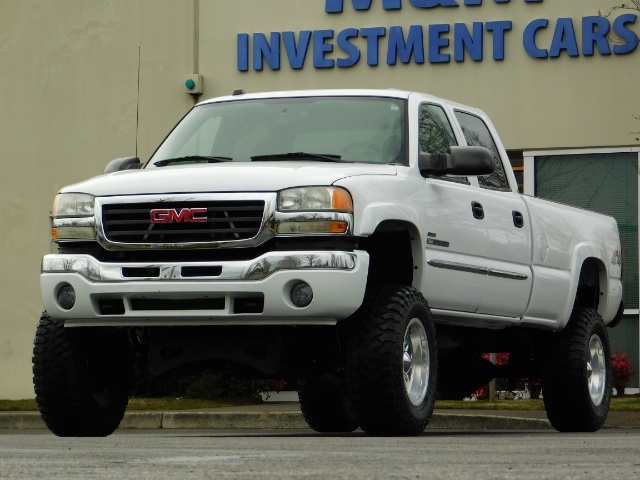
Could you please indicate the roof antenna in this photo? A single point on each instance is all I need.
(238, 91)
(138, 102)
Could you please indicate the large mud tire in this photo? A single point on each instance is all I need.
(81, 378)
(392, 362)
(324, 406)
(576, 376)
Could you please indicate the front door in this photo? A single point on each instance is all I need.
(455, 239)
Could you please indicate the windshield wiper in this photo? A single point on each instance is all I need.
(192, 158)
(319, 157)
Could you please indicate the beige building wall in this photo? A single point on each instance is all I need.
(83, 82)
(69, 103)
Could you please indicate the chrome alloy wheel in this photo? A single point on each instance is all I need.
(596, 370)
(415, 362)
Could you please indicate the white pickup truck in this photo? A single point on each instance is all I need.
(331, 237)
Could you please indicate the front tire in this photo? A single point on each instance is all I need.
(81, 378)
(324, 406)
(392, 362)
(576, 377)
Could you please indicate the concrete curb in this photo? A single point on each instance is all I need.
(21, 420)
(454, 421)
(231, 420)
(270, 420)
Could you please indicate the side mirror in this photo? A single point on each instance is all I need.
(125, 163)
(459, 161)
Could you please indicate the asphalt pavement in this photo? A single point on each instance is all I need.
(286, 415)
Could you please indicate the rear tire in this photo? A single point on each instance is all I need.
(324, 406)
(576, 377)
(81, 378)
(392, 362)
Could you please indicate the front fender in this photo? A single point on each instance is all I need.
(368, 220)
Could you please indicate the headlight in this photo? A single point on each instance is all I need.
(73, 217)
(73, 205)
(315, 198)
(330, 211)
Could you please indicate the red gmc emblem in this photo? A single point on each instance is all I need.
(186, 215)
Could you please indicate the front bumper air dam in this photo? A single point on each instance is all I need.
(338, 280)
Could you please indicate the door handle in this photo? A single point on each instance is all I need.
(478, 210)
(518, 219)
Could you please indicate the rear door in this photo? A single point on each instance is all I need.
(507, 285)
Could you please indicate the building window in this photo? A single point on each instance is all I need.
(605, 183)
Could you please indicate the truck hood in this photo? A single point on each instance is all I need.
(224, 177)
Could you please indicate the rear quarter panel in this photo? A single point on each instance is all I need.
(563, 238)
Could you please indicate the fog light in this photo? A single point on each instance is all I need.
(301, 294)
(66, 297)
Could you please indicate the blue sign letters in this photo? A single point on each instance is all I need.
(431, 43)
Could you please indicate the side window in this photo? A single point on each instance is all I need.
(436, 134)
(477, 134)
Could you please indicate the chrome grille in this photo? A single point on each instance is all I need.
(225, 221)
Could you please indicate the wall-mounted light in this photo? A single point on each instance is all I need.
(193, 84)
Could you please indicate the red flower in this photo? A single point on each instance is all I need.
(621, 367)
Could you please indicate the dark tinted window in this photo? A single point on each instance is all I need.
(477, 134)
(436, 134)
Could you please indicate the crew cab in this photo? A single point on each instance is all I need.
(368, 244)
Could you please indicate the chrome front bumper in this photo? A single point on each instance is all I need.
(338, 280)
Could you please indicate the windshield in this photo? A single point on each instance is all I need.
(350, 129)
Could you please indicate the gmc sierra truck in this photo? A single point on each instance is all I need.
(370, 244)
